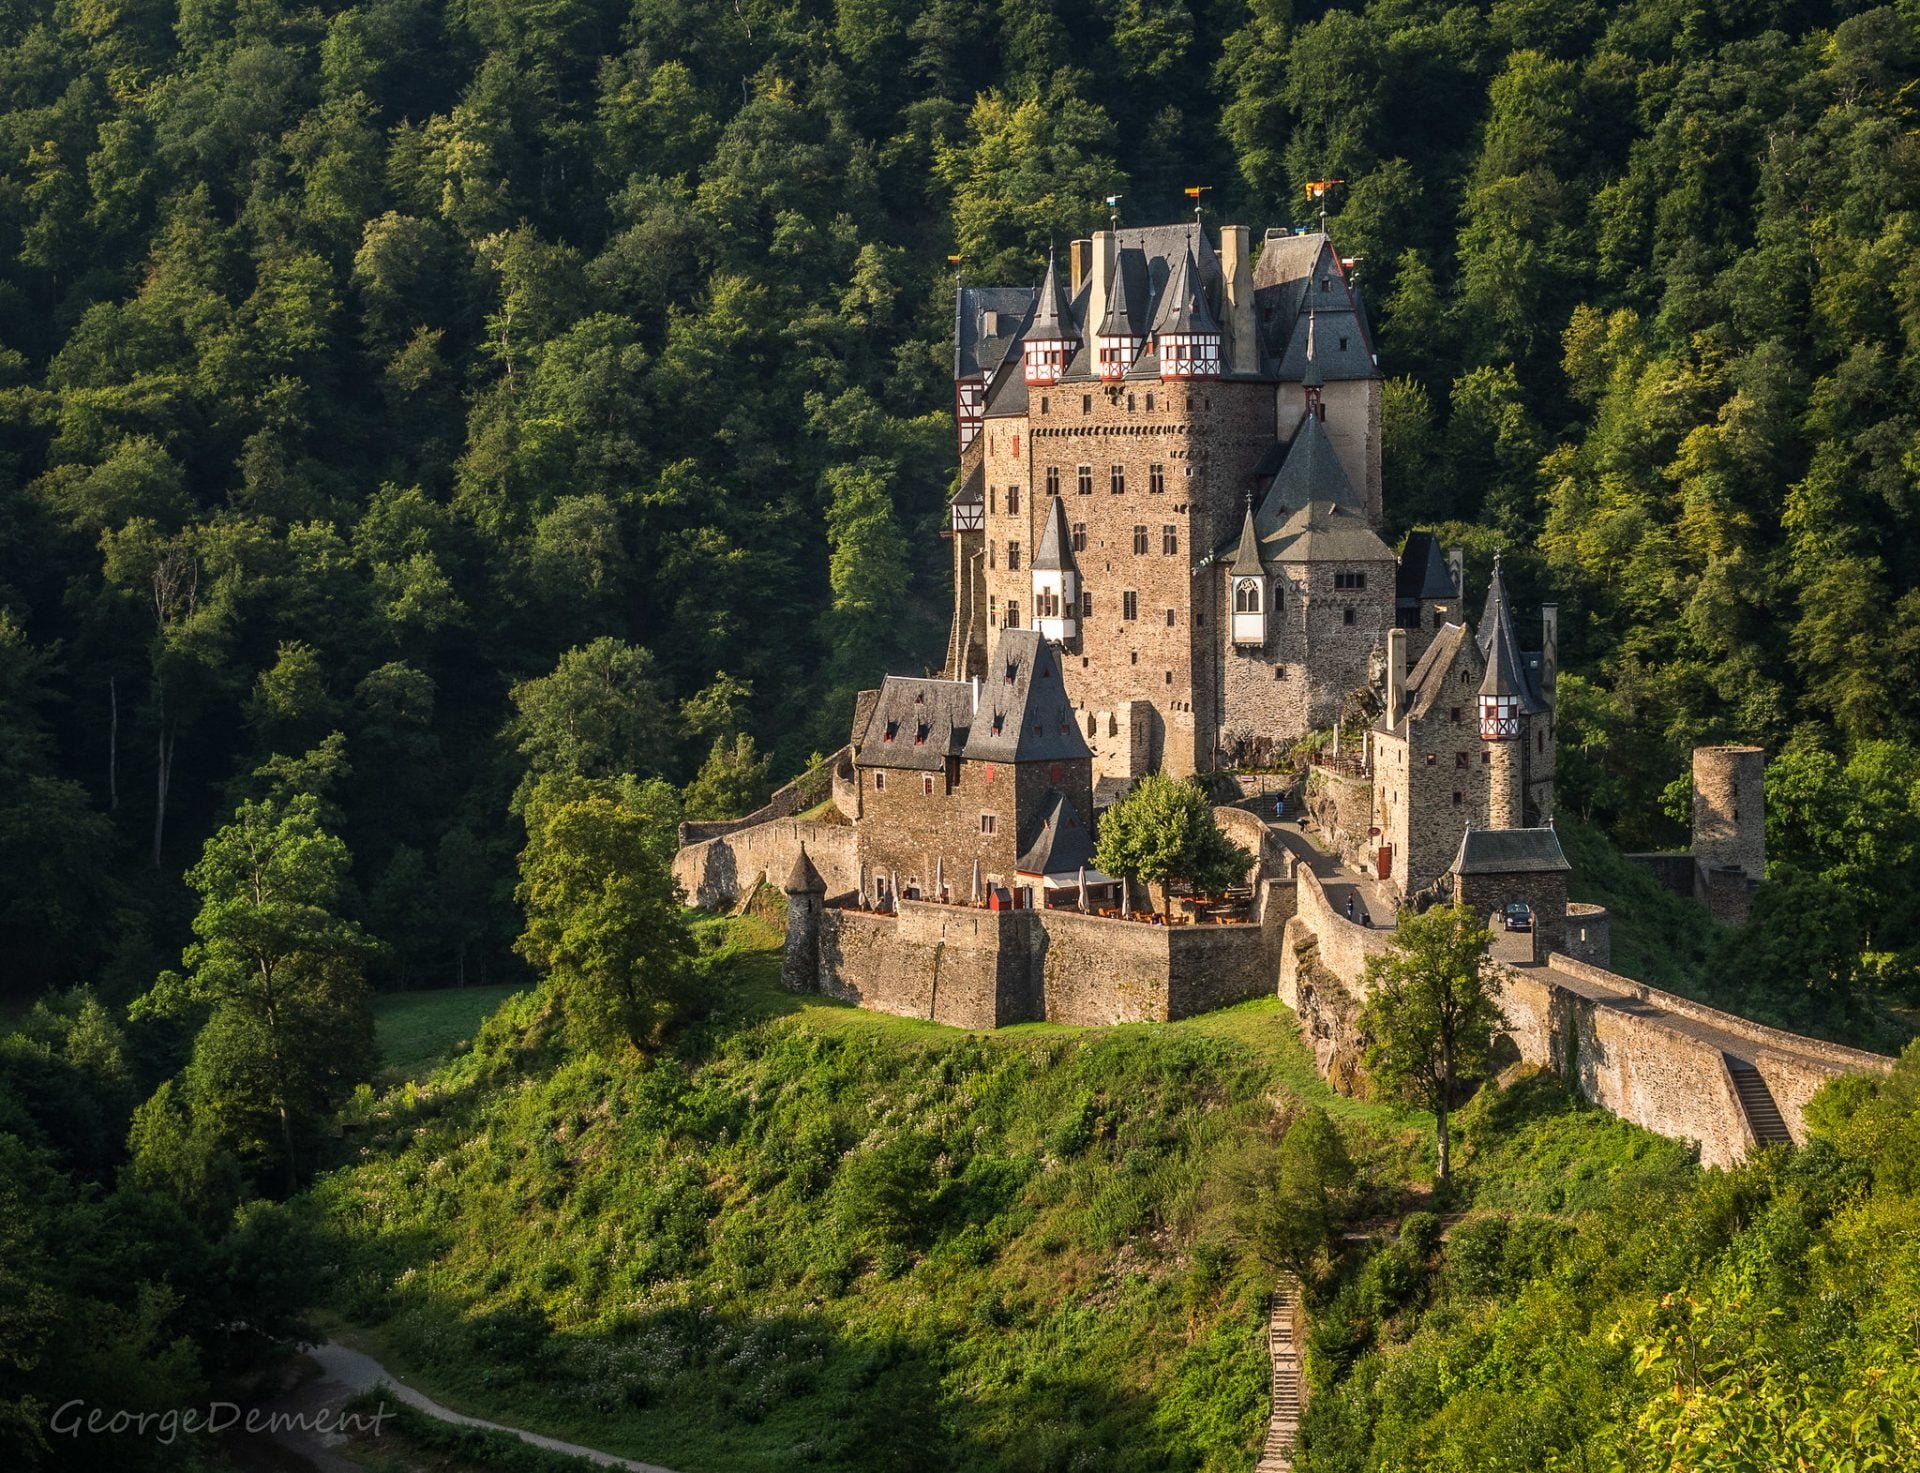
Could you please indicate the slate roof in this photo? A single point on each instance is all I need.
(1509, 852)
(804, 879)
(1246, 556)
(1055, 553)
(916, 724)
(987, 319)
(1507, 673)
(1052, 315)
(1424, 575)
(1183, 305)
(1025, 714)
(1288, 298)
(1061, 845)
(1119, 319)
(1310, 472)
(1429, 678)
(1326, 531)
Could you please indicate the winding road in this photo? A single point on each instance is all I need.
(346, 1372)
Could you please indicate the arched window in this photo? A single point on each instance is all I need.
(1246, 596)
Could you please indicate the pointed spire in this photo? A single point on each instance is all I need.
(804, 878)
(1055, 553)
(1183, 306)
(1246, 557)
(1118, 323)
(1052, 318)
(1506, 672)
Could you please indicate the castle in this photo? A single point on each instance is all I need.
(1167, 557)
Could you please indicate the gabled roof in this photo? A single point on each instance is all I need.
(987, 319)
(1288, 294)
(1025, 714)
(1183, 305)
(1062, 845)
(915, 724)
(1428, 682)
(1509, 852)
(1052, 315)
(1055, 553)
(1424, 575)
(1246, 556)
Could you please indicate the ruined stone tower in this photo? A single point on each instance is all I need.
(1729, 826)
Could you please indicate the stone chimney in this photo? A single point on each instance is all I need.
(1396, 676)
(1549, 648)
(1102, 267)
(1236, 266)
(1079, 253)
(1457, 562)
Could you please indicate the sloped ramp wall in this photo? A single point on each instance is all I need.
(717, 872)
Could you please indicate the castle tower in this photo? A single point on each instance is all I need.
(1502, 710)
(1051, 340)
(1120, 337)
(1729, 809)
(1056, 579)
(1186, 334)
(806, 907)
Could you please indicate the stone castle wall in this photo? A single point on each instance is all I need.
(716, 873)
(1341, 805)
(974, 968)
(812, 787)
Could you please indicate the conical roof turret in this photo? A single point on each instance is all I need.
(804, 878)
(1183, 305)
(1119, 323)
(1506, 671)
(1055, 553)
(1246, 557)
(1052, 317)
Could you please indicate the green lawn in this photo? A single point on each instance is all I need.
(415, 1030)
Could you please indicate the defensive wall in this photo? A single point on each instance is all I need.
(976, 968)
(812, 788)
(716, 872)
(1648, 1056)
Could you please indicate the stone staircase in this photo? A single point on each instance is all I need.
(1289, 1392)
(1757, 1102)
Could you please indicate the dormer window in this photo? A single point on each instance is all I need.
(892, 728)
(998, 721)
(920, 734)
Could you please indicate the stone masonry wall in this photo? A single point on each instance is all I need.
(811, 787)
(1342, 806)
(717, 872)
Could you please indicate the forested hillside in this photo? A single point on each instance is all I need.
(441, 444)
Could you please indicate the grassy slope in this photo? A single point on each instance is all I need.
(820, 1237)
(417, 1029)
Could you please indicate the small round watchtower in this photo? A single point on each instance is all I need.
(806, 908)
(1729, 809)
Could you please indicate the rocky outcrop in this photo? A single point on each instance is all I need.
(1328, 1011)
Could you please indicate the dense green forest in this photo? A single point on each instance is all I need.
(442, 444)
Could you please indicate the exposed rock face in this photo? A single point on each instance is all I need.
(1329, 1014)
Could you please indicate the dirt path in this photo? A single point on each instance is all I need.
(346, 1372)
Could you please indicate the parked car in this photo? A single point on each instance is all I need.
(1519, 917)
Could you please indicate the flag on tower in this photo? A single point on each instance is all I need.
(1317, 188)
(1194, 191)
(1113, 201)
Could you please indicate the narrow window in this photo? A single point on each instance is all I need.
(879, 782)
(1086, 404)
(1044, 406)
(1453, 715)
(1140, 540)
(1013, 614)
(1117, 480)
(1170, 613)
(1459, 759)
(1079, 536)
(1053, 480)
(1149, 403)
(1169, 540)
(1343, 348)
(1085, 481)
(1013, 501)
(926, 786)
(993, 499)
(1346, 616)
(1156, 479)
(1086, 609)
(1169, 677)
(1013, 561)
(1457, 799)
(1129, 404)
(986, 823)
(1129, 605)
(1432, 758)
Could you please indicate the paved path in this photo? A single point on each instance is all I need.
(345, 1373)
(1289, 1393)
(1335, 878)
